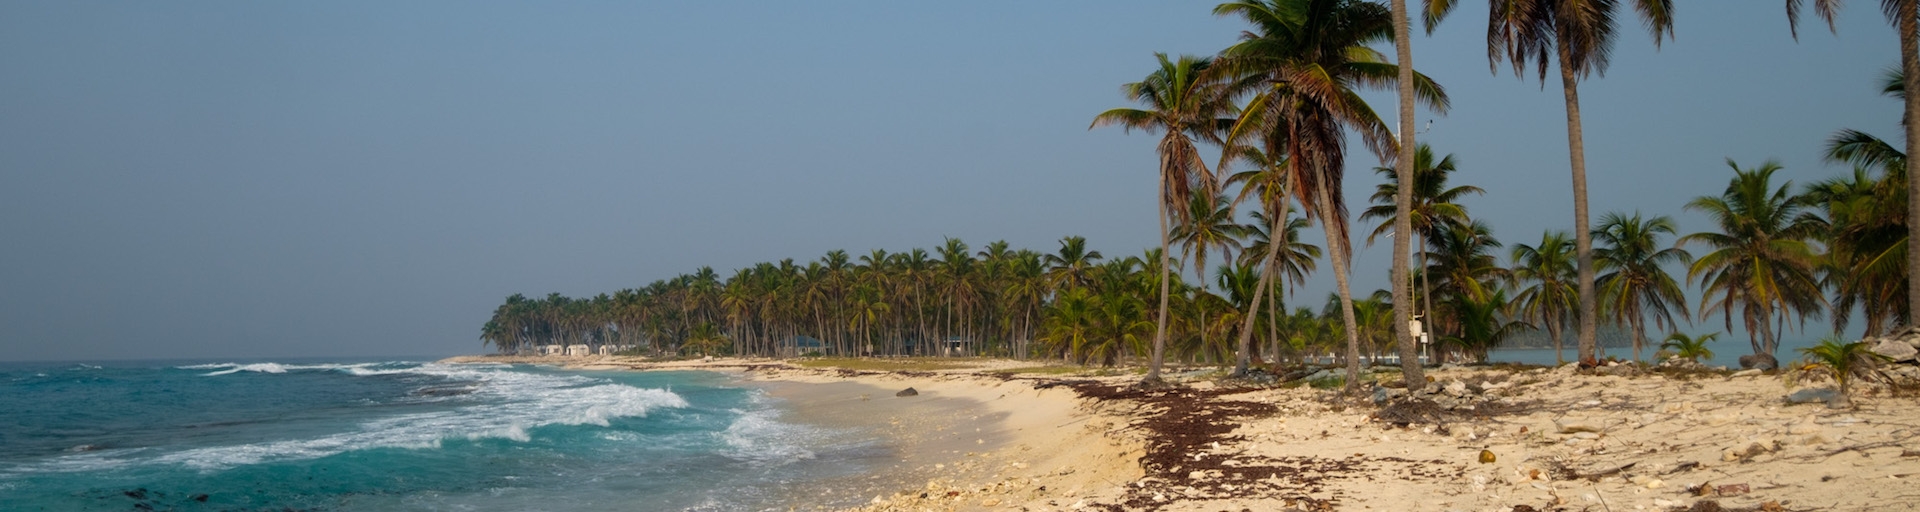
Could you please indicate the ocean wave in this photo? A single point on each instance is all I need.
(512, 405)
(232, 368)
(758, 436)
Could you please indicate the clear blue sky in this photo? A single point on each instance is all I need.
(281, 179)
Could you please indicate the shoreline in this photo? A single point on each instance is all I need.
(1560, 439)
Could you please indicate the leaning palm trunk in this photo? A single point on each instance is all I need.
(1909, 26)
(1275, 239)
(1338, 252)
(1402, 222)
(1582, 236)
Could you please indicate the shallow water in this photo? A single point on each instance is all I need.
(402, 436)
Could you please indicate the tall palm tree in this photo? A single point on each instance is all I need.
(1301, 60)
(1637, 284)
(1579, 35)
(1182, 105)
(1552, 299)
(1431, 205)
(1905, 16)
(1763, 259)
(1404, 172)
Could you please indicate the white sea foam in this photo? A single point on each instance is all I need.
(511, 406)
(209, 366)
(232, 368)
(758, 436)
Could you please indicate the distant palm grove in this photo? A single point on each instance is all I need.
(1251, 149)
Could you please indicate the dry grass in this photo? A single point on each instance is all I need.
(1047, 370)
(915, 364)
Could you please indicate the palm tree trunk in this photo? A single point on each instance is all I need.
(1410, 370)
(1553, 329)
(1910, 65)
(1273, 311)
(1582, 235)
(1426, 290)
(1639, 336)
(1337, 251)
(1160, 335)
(1275, 239)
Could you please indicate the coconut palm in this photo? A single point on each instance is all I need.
(1069, 267)
(1289, 260)
(1866, 264)
(1844, 362)
(1301, 60)
(1762, 260)
(1866, 238)
(1637, 285)
(1483, 323)
(1182, 105)
(1552, 298)
(1578, 34)
(1692, 348)
(1431, 205)
(1209, 224)
(1905, 16)
(1266, 183)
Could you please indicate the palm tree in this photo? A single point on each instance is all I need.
(1762, 261)
(1866, 239)
(1579, 33)
(1289, 259)
(1069, 267)
(1552, 299)
(1431, 205)
(1301, 60)
(1692, 348)
(1905, 15)
(1267, 183)
(1637, 284)
(1484, 323)
(1182, 105)
(1844, 362)
(1866, 261)
(1209, 224)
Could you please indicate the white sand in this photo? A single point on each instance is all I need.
(1047, 449)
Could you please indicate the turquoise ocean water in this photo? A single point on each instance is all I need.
(397, 435)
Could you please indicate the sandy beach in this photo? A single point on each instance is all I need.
(1557, 439)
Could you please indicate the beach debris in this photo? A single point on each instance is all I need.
(908, 392)
(1730, 490)
(1750, 372)
(1573, 427)
(1486, 456)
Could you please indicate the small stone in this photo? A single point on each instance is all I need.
(1813, 395)
(908, 392)
(1486, 456)
(1759, 362)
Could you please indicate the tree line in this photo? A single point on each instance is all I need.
(1279, 104)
